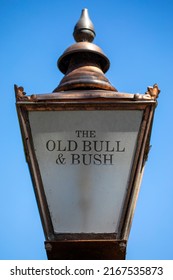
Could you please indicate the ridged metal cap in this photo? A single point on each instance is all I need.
(84, 63)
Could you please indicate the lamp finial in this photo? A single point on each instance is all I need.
(84, 28)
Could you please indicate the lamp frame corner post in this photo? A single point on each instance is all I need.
(86, 96)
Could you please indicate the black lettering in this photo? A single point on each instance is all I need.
(37, 272)
(75, 159)
(50, 145)
(56, 272)
(72, 145)
(107, 159)
(86, 159)
(46, 271)
(98, 146)
(92, 134)
(78, 132)
(108, 148)
(85, 133)
(97, 159)
(118, 147)
(59, 146)
(12, 272)
(67, 271)
(86, 146)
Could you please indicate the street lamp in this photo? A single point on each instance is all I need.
(86, 145)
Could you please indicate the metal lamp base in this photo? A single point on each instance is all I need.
(86, 250)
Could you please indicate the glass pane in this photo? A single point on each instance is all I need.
(85, 159)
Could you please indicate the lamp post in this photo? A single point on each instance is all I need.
(86, 145)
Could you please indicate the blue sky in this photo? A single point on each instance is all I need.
(137, 37)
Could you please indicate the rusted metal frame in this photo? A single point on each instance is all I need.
(147, 149)
(86, 250)
(141, 135)
(69, 106)
(87, 104)
(84, 94)
(23, 128)
(85, 236)
(35, 172)
(138, 171)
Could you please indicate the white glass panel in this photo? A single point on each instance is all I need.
(85, 159)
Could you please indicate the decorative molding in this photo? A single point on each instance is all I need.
(21, 94)
(152, 93)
